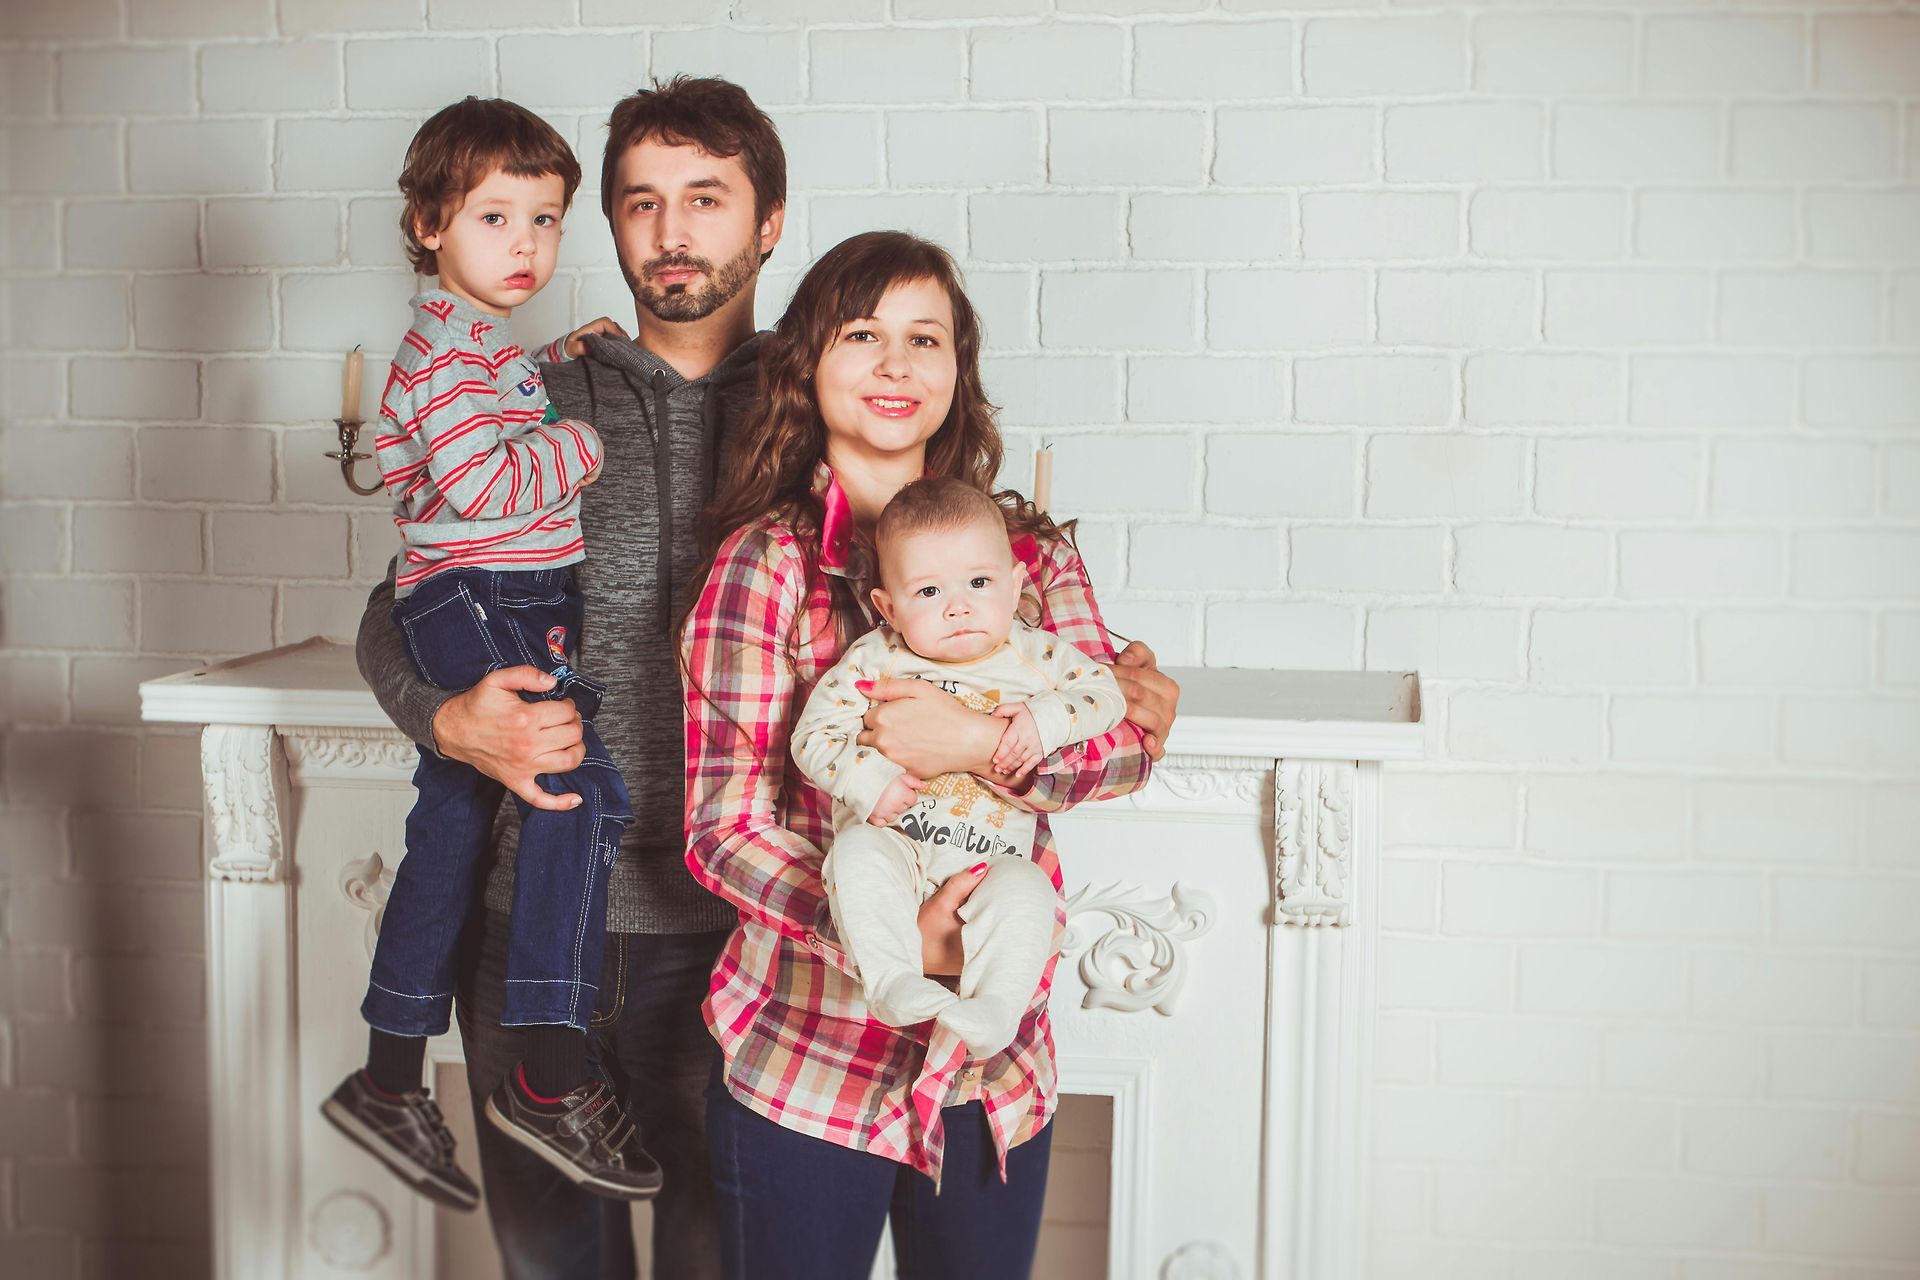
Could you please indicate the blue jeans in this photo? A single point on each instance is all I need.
(460, 625)
(795, 1207)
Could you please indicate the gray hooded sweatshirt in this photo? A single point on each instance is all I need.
(641, 553)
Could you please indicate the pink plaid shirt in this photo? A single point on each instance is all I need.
(790, 1018)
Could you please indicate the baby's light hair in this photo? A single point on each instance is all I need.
(934, 505)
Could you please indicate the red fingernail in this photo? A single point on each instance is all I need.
(864, 686)
(978, 868)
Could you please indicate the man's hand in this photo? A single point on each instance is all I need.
(575, 345)
(1019, 748)
(899, 797)
(1153, 699)
(940, 951)
(510, 740)
(925, 730)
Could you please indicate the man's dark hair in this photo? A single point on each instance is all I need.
(454, 152)
(707, 112)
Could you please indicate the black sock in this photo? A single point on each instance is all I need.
(556, 1062)
(394, 1062)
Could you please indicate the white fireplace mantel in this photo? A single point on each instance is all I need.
(1217, 980)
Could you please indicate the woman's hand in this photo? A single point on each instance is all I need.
(940, 951)
(575, 345)
(1153, 699)
(925, 730)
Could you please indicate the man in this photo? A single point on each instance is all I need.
(693, 184)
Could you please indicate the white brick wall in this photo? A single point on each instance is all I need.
(1569, 356)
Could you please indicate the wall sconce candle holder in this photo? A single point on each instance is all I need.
(345, 455)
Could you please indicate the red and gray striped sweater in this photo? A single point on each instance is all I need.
(479, 478)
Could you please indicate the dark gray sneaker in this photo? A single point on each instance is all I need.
(407, 1134)
(589, 1138)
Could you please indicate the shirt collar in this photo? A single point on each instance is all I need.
(841, 551)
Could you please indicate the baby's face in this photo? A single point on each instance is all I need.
(950, 593)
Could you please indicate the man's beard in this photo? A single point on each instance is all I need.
(682, 302)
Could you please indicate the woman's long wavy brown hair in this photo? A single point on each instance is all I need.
(770, 462)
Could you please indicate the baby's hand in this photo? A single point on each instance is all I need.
(606, 326)
(895, 800)
(1019, 748)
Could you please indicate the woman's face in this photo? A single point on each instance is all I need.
(885, 382)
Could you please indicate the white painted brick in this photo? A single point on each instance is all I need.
(1906, 307)
(1523, 728)
(832, 148)
(336, 311)
(1616, 479)
(1367, 559)
(1887, 1146)
(30, 237)
(1644, 819)
(893, 65)
(1385, 390)
(502, 13)
(1054, 390)
(135, 540)
(202, 313)
(1372, 57)
(1891, 998)
(1548, 224)
(1772, 1142)
(84, 19)
(1495, 899)
(1844, 1222)
(26, 82)
(1434, 1259)
(87, 313)
(1445, 475)
(1403, 1042)
(1877, 732)
(1515, 389)
(1529, 559)
(1856, 565)
(213, 156)
(1172, 627)
(1777, 820)
(1380, 226)
(1188, 389)
(419, 75)
(1826, 1067)
(1508, 1206)
(1280, 475)
(1686, 906)
(1600, 980)
(1050, 61)
(1699, 563)
(373, 234)
(1123, 473)
(1812, 141)
(1855, 392)
(1682, 1060)
(45, 613)
(1447, 1126)
(1126, 309)
(936, 216)
(1640, 142)
(320, 611)
(1711, 391)
(1676, 1213)
(1205, 558)
(151, 81)
(273, 232)
(767, 64)
(1294, 145)
(963, 148)
(1444, 974)
(790, 11)
(1006, 303)
(301, 75)
(62, 159)
(1049, 227)
(207, 464)
(1781, 480)
(1211, 227)
(33, 539)
(1862, 55)
(305, 17)
(1770, 987)
(1296, 637)
(245, 391)
(1447, 644)
(279, 544)
(1698, 226)
(1463, 141)
(1874, 228)
(1707, 730)
(1213, 61)
(937, 9)
(1900, 648)
(34, 386)
(206, 619)
(1524, 1052)
(133, 233)
(1627, 308)
(201, 18)
(109, 387)
(599, 69)
(1285, 310)
(340, 155)
(1722, 53)
(1610, 648)
(1107, 148)
(1527, 53)
(1772, 648)
(1594, 1133)
(36, 462)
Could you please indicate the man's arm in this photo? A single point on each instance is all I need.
(409, 701)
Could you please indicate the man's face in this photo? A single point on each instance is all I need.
(684, 229)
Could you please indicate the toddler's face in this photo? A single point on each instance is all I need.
(498, 249)
(950, 593)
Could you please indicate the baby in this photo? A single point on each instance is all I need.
(949, 587)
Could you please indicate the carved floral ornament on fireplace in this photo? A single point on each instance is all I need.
(1216, 978)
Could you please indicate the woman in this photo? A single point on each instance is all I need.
(822, 1123)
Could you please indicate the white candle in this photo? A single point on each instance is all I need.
(1042, 476)
(350, 387)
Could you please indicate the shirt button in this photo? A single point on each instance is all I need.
(971, 1075)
